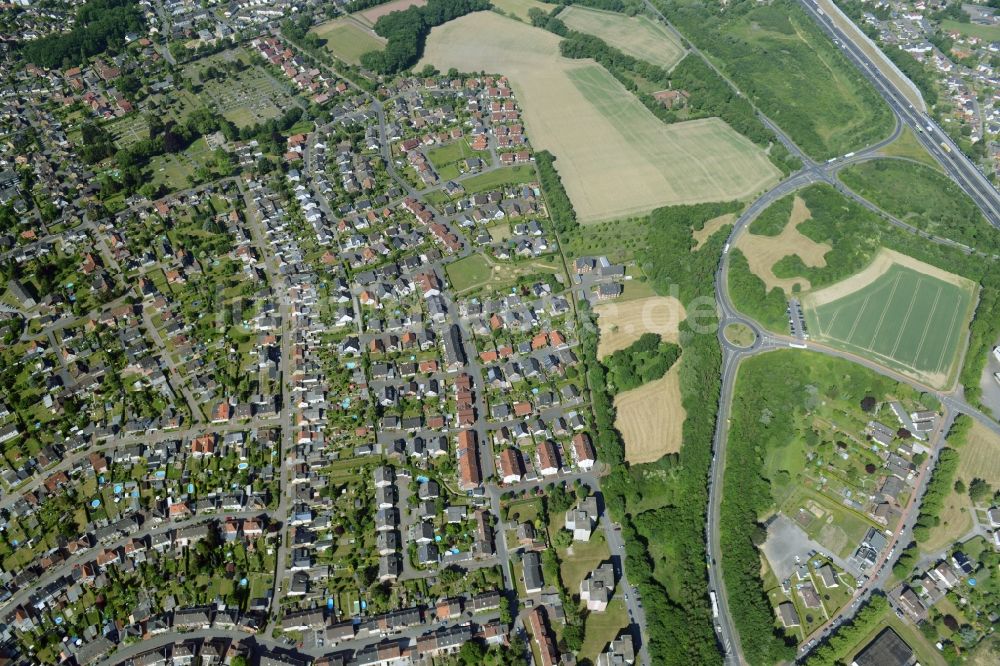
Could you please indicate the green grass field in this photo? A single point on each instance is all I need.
(989, 33)
(519, 8)
(346, 39)
(500, 178)
(781, 59)
(446, 158)
(923, 197)
(905, 319)
(638, 36)
(472, 271)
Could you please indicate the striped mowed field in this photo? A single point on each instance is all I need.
(910, 319)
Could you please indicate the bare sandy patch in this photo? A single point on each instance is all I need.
(651, 418)
(876, 269)
(713, 225)
(763, 252)
(622, 324)
(614, 156)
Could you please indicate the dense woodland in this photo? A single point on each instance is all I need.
(673, 590)
(100, 24)
(645, 360)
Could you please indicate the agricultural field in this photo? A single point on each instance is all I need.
(519, 8)
(614, 157)
(638, 36)
(622, 324)
(898, 311)
(346, 38)
(373, 14)
(763, 252)
(651, 418)
(777, 55)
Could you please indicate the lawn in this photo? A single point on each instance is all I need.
(907, 315)
(638, 36)
(602, 628)
(446, 158)
(907, 146)
(615, 157)
(173, 169)
(785, 64)
(924, 198)
(988, 33)
(925, 652)
(347, 39)
(498, 178)
(472, 271)
(479, 271)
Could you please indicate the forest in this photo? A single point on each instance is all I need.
(100, 24)
(645, 360)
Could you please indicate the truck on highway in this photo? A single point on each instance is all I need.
(715, 603)
(849, 155)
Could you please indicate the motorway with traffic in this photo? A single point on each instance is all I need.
(972, 181)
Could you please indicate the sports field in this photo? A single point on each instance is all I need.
(347, 38)
(898, 311)
(615, 158)
(638, 36)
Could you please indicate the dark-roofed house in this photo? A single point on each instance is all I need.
(886, 649)
(786, 612)
(533, 580)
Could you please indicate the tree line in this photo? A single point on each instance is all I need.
(99, 25)
(709, 94)
(406, 32)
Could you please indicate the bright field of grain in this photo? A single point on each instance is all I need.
(638, 36)
(615, 158)
(898, 311)
(651, 418)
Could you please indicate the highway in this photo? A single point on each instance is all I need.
(927, 131)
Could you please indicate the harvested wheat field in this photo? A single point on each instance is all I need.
(370, 16)
(763, 252)
(615, 158)
(713, 225)
(638, 36)
(651, 417)
(622, 324)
